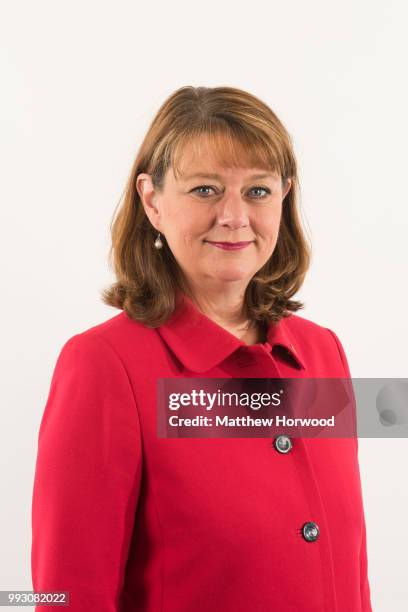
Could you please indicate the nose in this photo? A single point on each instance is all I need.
(233, 212)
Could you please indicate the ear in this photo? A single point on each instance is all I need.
(288, 185)
(149, 198)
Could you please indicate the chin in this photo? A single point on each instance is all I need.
(231, 276)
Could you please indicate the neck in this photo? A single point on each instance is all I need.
(227, 309)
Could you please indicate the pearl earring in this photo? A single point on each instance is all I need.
(158, 243)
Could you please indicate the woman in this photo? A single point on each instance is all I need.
(125, 520)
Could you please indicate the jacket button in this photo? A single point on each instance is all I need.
(283, 443)
(310, 531)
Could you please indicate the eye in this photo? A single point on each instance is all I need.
(268, 191)
(204, 195)
(201, 187)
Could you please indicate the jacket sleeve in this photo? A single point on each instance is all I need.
(87, 478)
(364, 582)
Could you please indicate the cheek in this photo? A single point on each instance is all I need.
(190, 227)
(267, 224)
(186, 237)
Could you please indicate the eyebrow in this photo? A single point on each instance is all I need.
(218, 177)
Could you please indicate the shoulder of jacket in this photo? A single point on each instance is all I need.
(118, 326)
(110, 336)
(306, 327)
(312, 334)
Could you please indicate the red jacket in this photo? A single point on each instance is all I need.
(127, 521)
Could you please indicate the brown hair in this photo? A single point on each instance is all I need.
(242, 129)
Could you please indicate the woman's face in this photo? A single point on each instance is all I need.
(210, 204)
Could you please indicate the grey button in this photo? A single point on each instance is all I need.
(283, 443)
(310, 531)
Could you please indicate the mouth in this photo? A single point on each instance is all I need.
(230, 245)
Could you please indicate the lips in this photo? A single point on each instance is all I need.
(230, 245)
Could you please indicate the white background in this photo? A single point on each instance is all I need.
(80, 81)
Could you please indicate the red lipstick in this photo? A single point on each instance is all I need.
(230, 246)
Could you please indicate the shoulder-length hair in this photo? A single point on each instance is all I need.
(242, 130)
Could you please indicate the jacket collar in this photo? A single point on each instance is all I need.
(200, 343)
